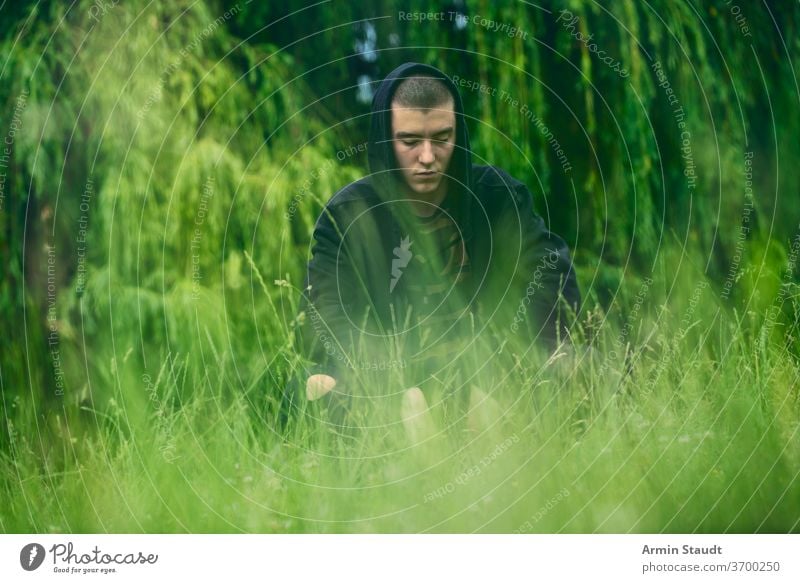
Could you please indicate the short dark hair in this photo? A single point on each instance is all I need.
(421, 92)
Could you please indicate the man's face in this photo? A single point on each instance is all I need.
(424, 141)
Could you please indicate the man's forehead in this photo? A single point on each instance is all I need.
(416, 119)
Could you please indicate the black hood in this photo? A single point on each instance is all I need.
(386, 178)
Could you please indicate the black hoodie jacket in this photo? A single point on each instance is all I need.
(355, 315)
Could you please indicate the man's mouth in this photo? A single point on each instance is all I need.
(426, 174)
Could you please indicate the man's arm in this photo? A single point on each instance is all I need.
(324, 336)
(546, 276)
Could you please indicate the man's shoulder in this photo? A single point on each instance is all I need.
(348, 203)
(496, 188)
(491, 176)
(356, 191)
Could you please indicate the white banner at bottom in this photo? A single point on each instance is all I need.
(396, 558)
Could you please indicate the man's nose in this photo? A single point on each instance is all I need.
(426, 155)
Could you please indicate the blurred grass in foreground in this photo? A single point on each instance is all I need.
(682, 418)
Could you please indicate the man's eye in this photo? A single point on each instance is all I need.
(410, 142)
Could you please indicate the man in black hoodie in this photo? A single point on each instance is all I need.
(410, 261)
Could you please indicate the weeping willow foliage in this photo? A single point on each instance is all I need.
(156, 150)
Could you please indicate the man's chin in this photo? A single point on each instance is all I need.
(427, 188)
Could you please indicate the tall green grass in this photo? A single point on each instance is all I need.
(678, 419)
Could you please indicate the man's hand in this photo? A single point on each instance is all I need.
(319, 385)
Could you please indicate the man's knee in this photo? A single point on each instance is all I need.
(414, 401)
(319, 385)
